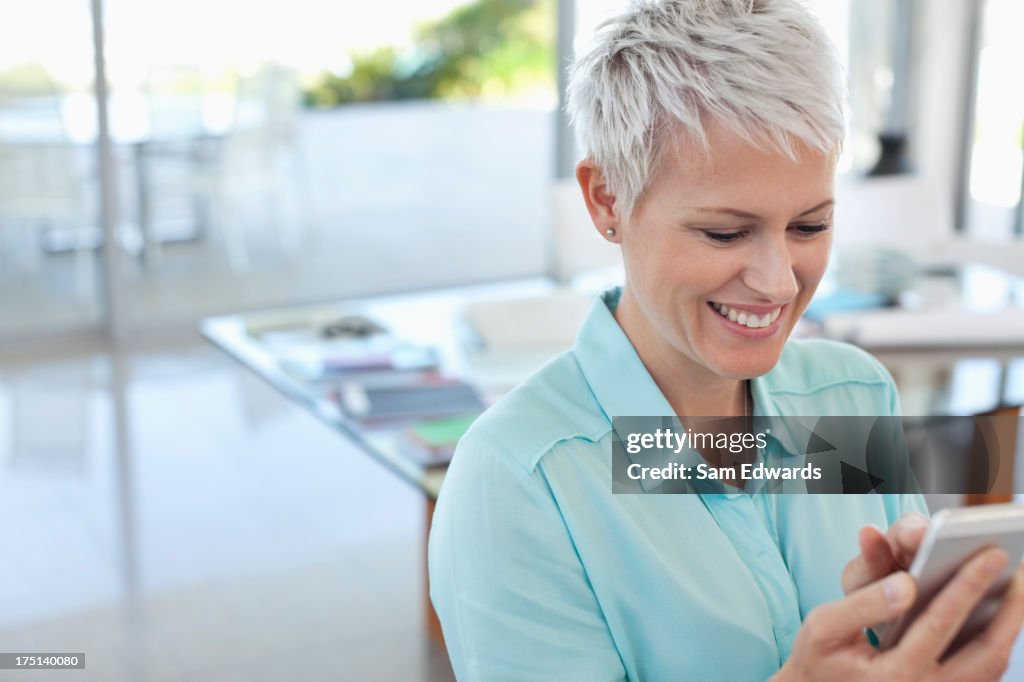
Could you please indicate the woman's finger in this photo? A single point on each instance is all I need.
(874, 562)
(879, 602)
(905, 537)
(991, 649)
(931, 633)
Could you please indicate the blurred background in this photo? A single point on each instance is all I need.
(166, 165)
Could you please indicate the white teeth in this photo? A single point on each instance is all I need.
(749, 320)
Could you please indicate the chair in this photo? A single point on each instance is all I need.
(169, 155)
(1001, 432)
(258, 163)
(44, 184)
(977, 454)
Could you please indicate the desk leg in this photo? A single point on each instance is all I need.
(432, 621)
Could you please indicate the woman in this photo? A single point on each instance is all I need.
(711, 130)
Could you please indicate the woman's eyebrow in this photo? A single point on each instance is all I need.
(825, 204)
(743, 214)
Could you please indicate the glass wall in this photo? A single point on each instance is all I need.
(49, 222)
(269, 154)
(283, 152)
(309, 150)
(997, 135)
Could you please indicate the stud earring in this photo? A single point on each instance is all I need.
(610, 232)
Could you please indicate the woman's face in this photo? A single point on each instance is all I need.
(723, 254)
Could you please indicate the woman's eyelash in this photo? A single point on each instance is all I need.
(726, 237)
(812, 229)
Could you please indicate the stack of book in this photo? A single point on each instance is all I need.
(378, 380)
(432, 413)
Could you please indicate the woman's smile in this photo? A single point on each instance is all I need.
(753, 322)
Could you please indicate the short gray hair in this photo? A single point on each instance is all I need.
(764, 69)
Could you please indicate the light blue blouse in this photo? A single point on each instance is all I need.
(539, 572)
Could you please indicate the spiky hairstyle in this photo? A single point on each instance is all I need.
(763, 69)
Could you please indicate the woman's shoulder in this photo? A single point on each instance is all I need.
(553, 405)
(822, 368)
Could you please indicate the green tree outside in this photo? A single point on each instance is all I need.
(485, 49)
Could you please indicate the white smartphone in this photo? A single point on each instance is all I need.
(954, 536)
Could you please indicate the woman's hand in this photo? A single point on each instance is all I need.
(882, 554)
(831, 645)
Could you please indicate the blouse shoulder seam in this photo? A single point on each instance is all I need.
(546, 449)
(832, 384)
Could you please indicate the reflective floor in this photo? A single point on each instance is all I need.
(174, 519)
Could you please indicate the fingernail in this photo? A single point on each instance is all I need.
(995, 562)
(895, 588)
(913, 525)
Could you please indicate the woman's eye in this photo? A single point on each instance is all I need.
(724, 237)
(810, 230)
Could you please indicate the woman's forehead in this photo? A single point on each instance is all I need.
(738, 174)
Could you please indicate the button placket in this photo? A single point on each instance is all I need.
(739, 518)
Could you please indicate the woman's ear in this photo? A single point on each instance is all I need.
(600, 202)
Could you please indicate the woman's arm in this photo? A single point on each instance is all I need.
(514, 600)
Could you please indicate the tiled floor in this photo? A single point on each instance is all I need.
(228, 536)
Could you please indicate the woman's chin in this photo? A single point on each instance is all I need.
(748, 367)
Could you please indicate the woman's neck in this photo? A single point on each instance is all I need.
(690, 388)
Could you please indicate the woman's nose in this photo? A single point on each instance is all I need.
(771, 274)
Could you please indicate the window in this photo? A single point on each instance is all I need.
(992, 201)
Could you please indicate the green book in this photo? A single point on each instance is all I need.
(438, 433)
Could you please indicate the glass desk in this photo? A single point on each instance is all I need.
(931, 380)
(258, 340)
